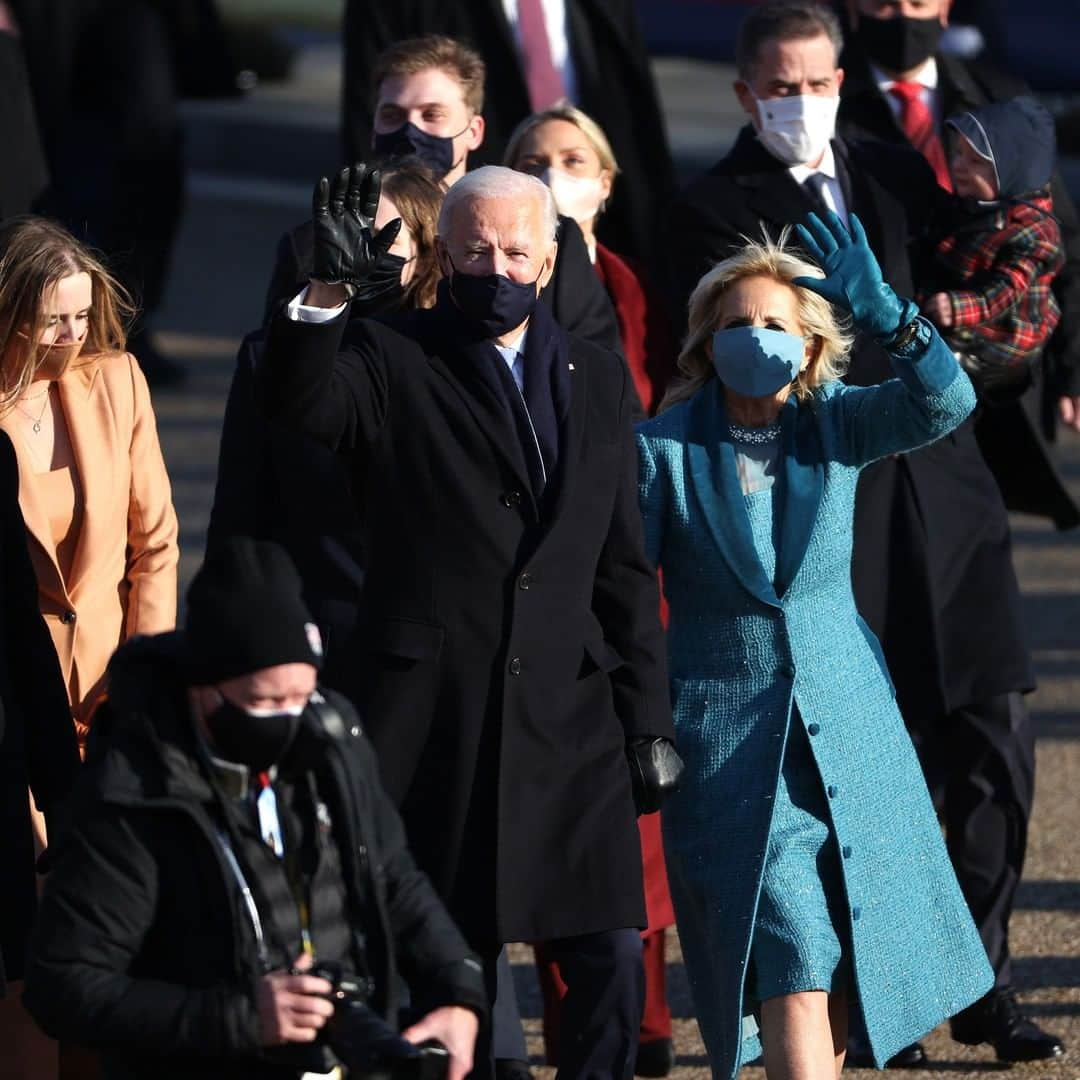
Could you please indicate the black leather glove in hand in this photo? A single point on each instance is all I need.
(655, 768)
(347, 248)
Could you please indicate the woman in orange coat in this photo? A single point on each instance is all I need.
(92, 482)
(569, 151)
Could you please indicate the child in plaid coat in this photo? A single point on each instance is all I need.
(994, 265)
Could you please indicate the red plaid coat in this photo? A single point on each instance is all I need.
(1006, 265)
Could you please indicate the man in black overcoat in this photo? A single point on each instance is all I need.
(932, 567)
(512, 650)
(23, 173)
(978, 744)
(1012, 434)
(600, 55)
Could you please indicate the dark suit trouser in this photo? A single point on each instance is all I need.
(601, 1012)
(980, 764)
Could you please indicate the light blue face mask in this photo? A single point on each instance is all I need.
(757, 362)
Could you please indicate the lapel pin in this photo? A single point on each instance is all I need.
(570, 366)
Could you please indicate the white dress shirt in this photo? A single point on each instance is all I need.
(558, 39)
(926, 77)
(832, 193)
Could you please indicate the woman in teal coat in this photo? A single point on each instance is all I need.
(806, 863)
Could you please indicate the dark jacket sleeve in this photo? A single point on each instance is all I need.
(626, 598)
(39, 699)
(241, 456)
(1062, 357)
(577, 296)
(98, 906)
(308, 381)
(432, 953)
(292, 268)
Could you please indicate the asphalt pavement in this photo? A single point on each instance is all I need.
(252, 163)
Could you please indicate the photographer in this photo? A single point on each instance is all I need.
(236, 895)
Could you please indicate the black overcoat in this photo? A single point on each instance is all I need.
(508, 654)
(932, 566)
(1011, 435)
(615, 87)
(23, 174)
(37, 736)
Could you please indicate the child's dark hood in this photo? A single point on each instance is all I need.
(1018, 137)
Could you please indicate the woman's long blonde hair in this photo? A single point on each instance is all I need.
(777, 260)
(35, 254)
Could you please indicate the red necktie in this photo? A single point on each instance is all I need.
(918, 124)
(543, 80)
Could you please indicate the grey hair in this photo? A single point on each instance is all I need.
(783, 20)
(497, 182)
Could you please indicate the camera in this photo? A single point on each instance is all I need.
(365, 1043)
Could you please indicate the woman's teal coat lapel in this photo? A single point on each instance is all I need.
(710, 461)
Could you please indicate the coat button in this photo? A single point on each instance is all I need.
(856, 913)
(832, 791)
(787, 670)
(68, 618)
(525, 580)
(510, 498)
(846, 851)
(813, 729)
(515, 666)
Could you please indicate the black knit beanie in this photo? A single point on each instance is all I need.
(245, 612)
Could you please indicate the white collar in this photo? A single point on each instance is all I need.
(926, 76)
(827, 167)
(517, 345)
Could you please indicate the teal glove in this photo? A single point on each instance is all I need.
(852, 276)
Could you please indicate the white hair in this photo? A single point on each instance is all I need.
(496, 182)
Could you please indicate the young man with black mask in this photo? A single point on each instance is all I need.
(236, 898)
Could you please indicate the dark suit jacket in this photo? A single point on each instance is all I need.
(1011, 435)
(932, 563)
(575, 295)
(23, 174)
(615, 87)
(508, 655)
(37, 736)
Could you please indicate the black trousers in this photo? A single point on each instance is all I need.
(980, 767)
(602, 1012)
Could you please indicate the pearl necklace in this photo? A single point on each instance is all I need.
(754, 436)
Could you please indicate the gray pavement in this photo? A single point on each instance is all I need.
(252, 163)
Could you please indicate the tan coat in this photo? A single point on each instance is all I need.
(123, 573)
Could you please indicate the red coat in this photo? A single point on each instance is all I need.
(649, 347)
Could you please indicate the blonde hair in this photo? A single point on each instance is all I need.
(772, 259)
(588, 127)
(35, 254)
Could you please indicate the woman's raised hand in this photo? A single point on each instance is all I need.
(853, 278)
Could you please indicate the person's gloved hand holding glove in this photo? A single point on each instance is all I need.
(655, 768)
(852, 276)
(347, 247)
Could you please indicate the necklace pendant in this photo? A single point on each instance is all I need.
(37, 427)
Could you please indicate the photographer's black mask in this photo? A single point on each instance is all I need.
(257, 738)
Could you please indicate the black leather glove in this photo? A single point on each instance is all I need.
(347, 248)
(655, 768)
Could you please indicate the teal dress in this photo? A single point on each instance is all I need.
(802, 828)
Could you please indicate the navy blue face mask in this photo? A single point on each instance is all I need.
(434, 151)
(492, 303)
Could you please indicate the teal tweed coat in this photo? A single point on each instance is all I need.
(742, 649)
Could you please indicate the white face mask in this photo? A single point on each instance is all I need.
(577, 197)
(797, 129)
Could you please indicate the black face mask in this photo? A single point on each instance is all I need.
(492, 303)
(901, 43)
(255, 741)
(434, 151)
(381, 290)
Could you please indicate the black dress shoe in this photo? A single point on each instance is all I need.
(512, 1069)
(998, 1019)
(655, 1058)
(860, 1056)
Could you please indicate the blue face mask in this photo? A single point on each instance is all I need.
(756, 362)
(492, 303)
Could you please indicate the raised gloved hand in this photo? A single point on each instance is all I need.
(655, 768)
(852, 276)
(347, 248)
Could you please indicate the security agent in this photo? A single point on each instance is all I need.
(237, 896)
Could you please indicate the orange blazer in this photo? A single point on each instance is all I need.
(123, 573)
